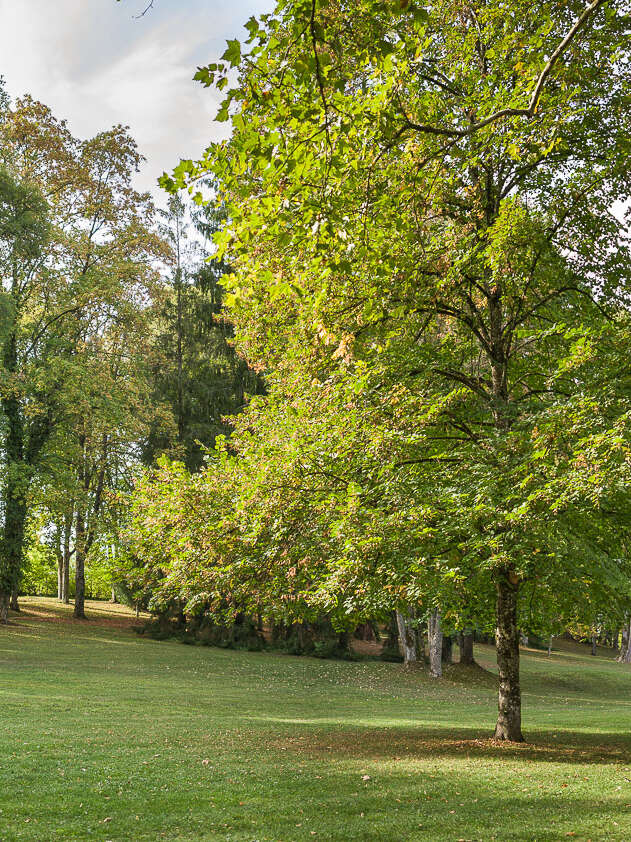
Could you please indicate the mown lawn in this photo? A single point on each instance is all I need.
(107, 736)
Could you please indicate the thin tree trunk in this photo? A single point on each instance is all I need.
(60, 575)
(65, 583)
(407, 639)
(79, 599)
(594, 641)
(4, 607)
(447, 649)
(15, 605)
(624, 642)
(550, 645)
(435, 642)
(507, 644)
(625, 647)
(466, 648)
(85, 526)
(178, 293)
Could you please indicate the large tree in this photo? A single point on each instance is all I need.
(421, 200)
(66, 281)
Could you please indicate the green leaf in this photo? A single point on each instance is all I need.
(233, 53)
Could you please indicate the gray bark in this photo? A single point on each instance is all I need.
(435, 641)
(625, 648)
(507, 645)
(80, 541)
(407, 640)
(65, 575)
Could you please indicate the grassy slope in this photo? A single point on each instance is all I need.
(109, 737)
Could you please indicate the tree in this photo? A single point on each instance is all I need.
(199, 379)
(91, 267)
(24, 231)
(434, 226)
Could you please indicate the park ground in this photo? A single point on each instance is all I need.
(110, 736)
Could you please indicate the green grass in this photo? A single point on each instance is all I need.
(107, 736)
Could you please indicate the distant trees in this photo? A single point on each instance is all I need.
(113, 348)
(78, 255)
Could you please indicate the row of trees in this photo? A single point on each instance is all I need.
(419, 212)
(112, 350)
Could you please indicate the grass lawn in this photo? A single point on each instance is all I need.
(107, 736)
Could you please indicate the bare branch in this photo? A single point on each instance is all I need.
(142, 14)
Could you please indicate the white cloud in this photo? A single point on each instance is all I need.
(96, 65)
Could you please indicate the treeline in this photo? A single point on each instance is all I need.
(431, 267)
(112, 349)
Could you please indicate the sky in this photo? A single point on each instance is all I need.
(97, 64)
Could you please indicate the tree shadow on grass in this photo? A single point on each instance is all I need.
(361, 743)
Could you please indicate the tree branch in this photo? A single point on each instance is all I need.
(536, 94)
(316, 57)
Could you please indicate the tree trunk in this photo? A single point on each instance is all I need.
(435, 641)
(624, 642)
(79, 599)
(466, 648)
(550, 645)
(366, 632)
(65, 579)
(625, 647)
(507, 644)
(13, 544)
(180, 380)
(594, 641)
(16, 473)
(15, 605)
(4, 607)
(407, 639)
(447, 649)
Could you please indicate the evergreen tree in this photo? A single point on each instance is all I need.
(198, 376)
